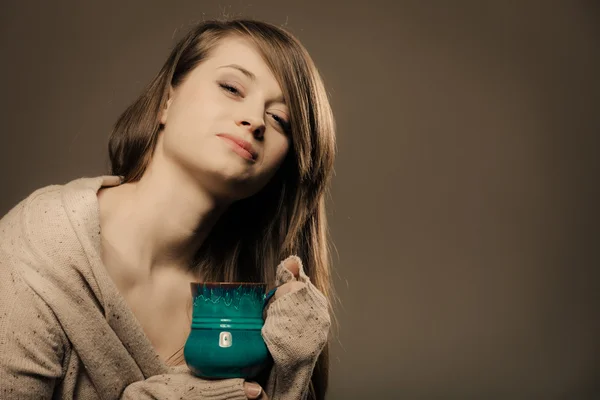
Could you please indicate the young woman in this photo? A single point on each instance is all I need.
(219, 171)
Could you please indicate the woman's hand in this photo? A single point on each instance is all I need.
(291, 276)
(295, 331)
(297, 319)
(254, 391)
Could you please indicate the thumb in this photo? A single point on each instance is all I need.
(252, 390)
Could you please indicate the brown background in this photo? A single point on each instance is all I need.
(463, 208)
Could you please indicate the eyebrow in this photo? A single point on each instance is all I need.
(241, 69)
(251, 76)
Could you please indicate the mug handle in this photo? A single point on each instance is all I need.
(268, 296)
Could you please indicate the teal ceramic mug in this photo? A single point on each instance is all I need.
(225, 340)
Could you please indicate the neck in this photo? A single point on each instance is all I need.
(158, 221)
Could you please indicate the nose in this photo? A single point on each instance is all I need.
(256, 126)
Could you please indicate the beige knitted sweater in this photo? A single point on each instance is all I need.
(67, 333)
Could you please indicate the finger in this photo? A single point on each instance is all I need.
(253, 390)
(283, 275)
(111, 180)
(292, 263)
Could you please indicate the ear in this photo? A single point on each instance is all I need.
(165, 111)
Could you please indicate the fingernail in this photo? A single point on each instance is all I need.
(254, 389)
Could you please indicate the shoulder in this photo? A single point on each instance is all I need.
(48, 205)
(30, 214)
(52, 199)
(45, 222)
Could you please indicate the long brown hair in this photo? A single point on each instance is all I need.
(288, 215)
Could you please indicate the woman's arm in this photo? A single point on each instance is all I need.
(32, 345)
(295, 331)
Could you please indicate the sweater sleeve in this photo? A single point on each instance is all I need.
(295, 331)
(32, 345)
(181, 384)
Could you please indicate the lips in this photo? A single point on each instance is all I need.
(240, 146)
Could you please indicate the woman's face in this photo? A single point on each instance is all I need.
(226, 123)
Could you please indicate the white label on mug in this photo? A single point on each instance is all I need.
(225, 339)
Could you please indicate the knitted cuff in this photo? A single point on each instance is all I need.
(183, 385)
(297, 326)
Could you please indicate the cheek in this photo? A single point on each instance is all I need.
(278, 150)
(196, 111)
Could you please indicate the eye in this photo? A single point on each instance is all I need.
(230, 88)
(285, 125)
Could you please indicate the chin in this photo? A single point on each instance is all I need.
(227, 183)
